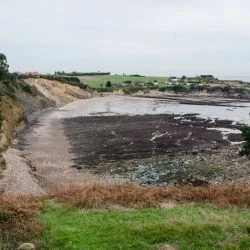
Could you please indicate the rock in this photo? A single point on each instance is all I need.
(197, 181)
(27, 246)
(195, 152)
(168, 247)
(193, 181)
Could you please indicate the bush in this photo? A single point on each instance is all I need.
(26, 88)
(18, 221)
(108, 84)
(73, 81)
(62, 73)
(105, 89)
(175, 88)
(246, 135)
(179, 89)
(1, 118)
(126, 91)
(163, 88)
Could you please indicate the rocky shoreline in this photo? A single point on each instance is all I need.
(158, 149)
(90, 141)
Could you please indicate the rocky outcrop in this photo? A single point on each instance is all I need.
(27, 246)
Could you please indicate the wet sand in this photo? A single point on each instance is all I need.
(41, 161)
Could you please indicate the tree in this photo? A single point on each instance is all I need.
(246, 135)
(108, 84)
(3, 66)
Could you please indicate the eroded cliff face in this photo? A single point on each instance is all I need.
(25, 98)
(58, 92)
(14, 120)
(15, 107)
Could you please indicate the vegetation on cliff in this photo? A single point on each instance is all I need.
(246, 135)
(17, 100)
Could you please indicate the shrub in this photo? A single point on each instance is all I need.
(108, 84)
(1, 118)
(26, 88)
(246, 135)
(179, 89)
(128, 81)
(136, 89)
(105, 89)
(226, 89)
(73, 81)
(194, 87)
(163, 88)
(126, 91)
(18, 222)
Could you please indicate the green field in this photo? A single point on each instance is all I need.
(147, 82)
(186, 227)
(96, 81)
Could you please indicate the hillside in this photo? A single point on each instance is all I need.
(22, 100)
(18, 102)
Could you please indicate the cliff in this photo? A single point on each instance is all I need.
(21, 99)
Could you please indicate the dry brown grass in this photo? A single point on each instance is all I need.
(18, 221)
(129, 195)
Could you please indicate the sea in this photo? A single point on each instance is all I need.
(242, 78)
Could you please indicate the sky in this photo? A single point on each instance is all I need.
(150, 37)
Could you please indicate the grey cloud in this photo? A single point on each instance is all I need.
(157, 37)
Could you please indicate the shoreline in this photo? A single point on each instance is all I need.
(194, 99)
(45, 160)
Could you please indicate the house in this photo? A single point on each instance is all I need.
(32, 74)
(207, 76)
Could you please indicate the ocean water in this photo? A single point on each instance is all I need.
(242, 78)
(121, 105)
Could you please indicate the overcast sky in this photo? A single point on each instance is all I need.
(152, 37)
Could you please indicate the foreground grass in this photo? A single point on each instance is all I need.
(188, 227)
(144, 226)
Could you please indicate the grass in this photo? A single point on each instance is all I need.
(77, 216)
(99, 83)
(96, 81)
(188, 227)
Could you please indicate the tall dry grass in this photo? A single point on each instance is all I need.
(129, 195)
(18, 220)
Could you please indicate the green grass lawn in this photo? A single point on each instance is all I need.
(96, 81)
(189, 227)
